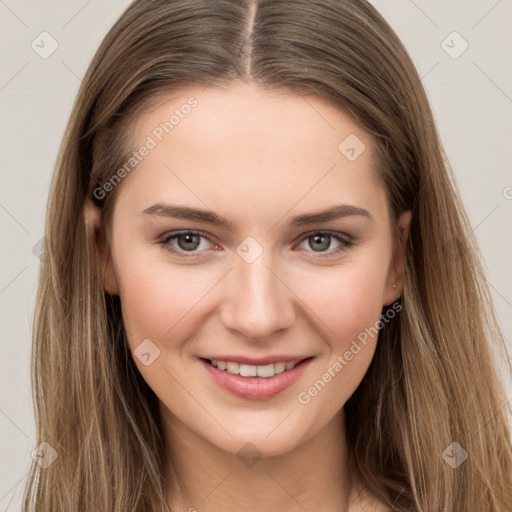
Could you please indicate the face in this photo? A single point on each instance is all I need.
(253, 277)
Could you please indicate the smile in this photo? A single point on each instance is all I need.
(255, 382)
(249, 370)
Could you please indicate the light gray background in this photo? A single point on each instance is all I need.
(471, 97)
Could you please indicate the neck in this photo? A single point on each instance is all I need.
(312, 476)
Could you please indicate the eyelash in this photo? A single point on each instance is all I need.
(344, 240)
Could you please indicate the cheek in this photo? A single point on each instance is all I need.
(346, 298)
(157, 296)
(348, 301)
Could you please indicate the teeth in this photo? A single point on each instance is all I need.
(233, 368)
(266, 371)
(248, 370)
(280, 367)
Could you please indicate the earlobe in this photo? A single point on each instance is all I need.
(109, 276)
(93, 221)
(396, 269)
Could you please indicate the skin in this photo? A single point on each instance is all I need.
(257, 158)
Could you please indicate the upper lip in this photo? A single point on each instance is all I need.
(258, 361)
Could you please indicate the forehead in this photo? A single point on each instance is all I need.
(279, 118)
(247, 144)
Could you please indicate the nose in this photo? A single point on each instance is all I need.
(260, 301)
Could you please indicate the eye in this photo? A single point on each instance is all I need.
(191, 242)
(185, 242)
(322, 240)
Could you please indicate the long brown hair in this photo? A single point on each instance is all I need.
(433, 379)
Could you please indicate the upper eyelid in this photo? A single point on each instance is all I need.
(173, 234)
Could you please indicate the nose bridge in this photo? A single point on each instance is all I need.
(260, 303)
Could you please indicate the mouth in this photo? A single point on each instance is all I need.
(255, 382)
(249, 370)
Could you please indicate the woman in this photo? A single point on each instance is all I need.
(261, 290)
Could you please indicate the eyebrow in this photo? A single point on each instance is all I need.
(209, 217)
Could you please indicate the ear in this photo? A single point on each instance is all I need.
(93, 220)
(395, 277)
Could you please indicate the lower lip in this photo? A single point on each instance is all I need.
(256, 388)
